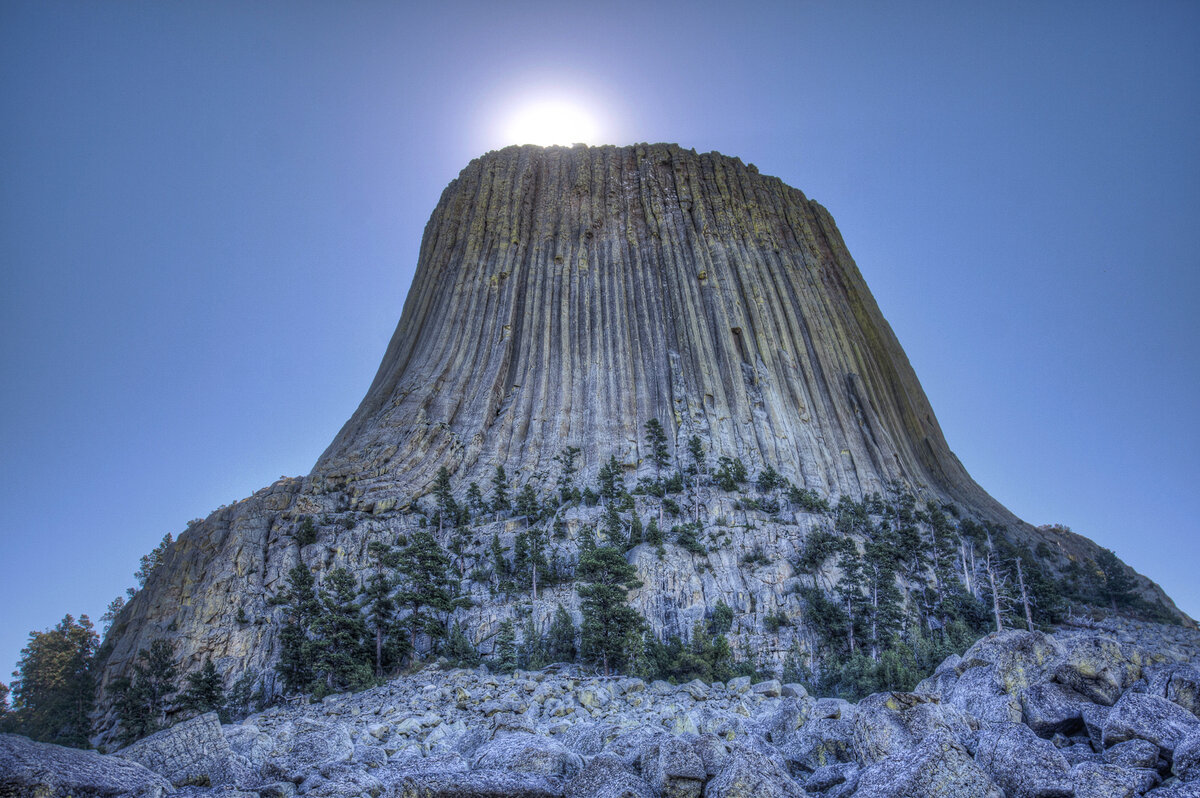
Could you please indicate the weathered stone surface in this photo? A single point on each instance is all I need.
(673, 768)
(606, 776)
(40, 770)
(1049, 707)
(1133, 754)
(528, 753)
(1098, 668)
(1023, 764)
(935, 768)
(1179, 684)
(1148, 717)
(887, 723)
(1186, 763)
(193, 752)
(749, 773)
(310, 746)
(1094, 780)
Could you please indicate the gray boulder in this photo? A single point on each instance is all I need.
(1133, 754)
(673, 768)
(310, 746)
(528, 753)
(833, 781)
(886, 723)
(193, 752)
(1179, 684)
(1021, 659)
(820, 742)
(1148, 717)
(978, 692)
(1098, 668)
(1023, 764)
(751, 773)
(1176, 789)
(1049, 707)
(606, 776)
(475, 784)
(1186, 764)
(28, 768)
(935, 768)
(1094, 780)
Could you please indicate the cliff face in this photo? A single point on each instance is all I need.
(564, 297)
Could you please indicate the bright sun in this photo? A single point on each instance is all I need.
(551, 122)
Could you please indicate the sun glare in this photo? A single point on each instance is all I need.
(551, 122)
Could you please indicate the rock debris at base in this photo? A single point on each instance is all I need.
(1083, 713)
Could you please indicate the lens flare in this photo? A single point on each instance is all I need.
(547, 122)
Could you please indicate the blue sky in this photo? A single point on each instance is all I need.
(210, 214)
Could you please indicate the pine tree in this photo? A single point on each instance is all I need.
(566, 478)
(605, 579)
(528, 505)
(612, 482)
(204, 691)
(656, 438)
(54, 687)
(342, 632)
(506, 648)
(427, 586)
(560, 643)
(459, 650)
(636, 532)
(152, 560)
(1117, 586)
(475, 499)
(298, 650)
(381, 607)
(447, 508)
(614, 532)
(141, 700)
(532, 655)
(500, 502)
(110, 613)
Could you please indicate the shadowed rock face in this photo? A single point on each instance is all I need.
(565, 296)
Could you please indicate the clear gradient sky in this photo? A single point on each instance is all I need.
(210, 214)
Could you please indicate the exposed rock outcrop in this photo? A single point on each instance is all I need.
(563, 297)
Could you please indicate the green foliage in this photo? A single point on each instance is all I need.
(528, 505)
(426, 584)
(142, 700)
(614, 528)
(306, 532)
(459, 650)
(341, 633)
(722, 619)
(447, 508)
(636, 532)
(769, 480)
(151, 561)
(204, 691)
(656, 439)
(605, 579)
(730, 473)
(696, 451)
(110, 613)
(1116, 584)
(685, 536)
(241, 700)
(775, 621)
(560, 641)
(706, 657)
(671, 507)
(533, 652)
(499, 502)
(505, 658)
(475, 502)
(807, 500)
(567, 490)
(298, 649)
(54, 688)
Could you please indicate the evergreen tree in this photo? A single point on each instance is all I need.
(240, 701)
(1116, 585)
(204, 691)
(110, 613)
(447, 508)
(612, 482)
(298, 650)
(500, 565)
(342, 632)
(566, 478)
(459, 650)
(54, 688)
(381, 607)
(500, 502)
(532, 655)
(769, 480)
(505, 658)
(141, 701)
(529, 558)
(528, 505)
(731, 472)
(636, 532)
(4, 713)
(654, 535)
(722, 619)
(605, 579)
(152, 560)
(427, 586)
(475, 499)
(656, 438)
(614, 533)
(560, 642)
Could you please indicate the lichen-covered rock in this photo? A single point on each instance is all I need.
(528, 753)
(819, 742)
(673, 769)
(978, 692)
(606, 776)
(935, 768)
(1179, 684)
(1023, 764)
(833, 781)
(42, 770)
(1095, 780)
(1133, 754)
(1148, 717)
(475, 784)
(1098, 667)
(307, 747)
(749, 773)
(1020, 658)
(193, 752)
(887, 723)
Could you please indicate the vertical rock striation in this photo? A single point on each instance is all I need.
(566, 295)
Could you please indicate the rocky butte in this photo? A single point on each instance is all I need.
(563, 298)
